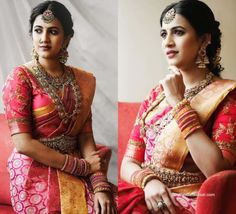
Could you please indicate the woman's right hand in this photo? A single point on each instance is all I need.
(156, 191)
(95, 162)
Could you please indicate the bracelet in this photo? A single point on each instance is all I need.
(186, 118)
(76, 166)
(141, 177)
(102, 189)
(99, 182)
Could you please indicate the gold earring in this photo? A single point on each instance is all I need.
(34, 54)
(63, 56)
(202, 58)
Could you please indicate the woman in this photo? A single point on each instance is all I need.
(54, 167)
(188, 117)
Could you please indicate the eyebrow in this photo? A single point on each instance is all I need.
(174, 28)
(39, 26)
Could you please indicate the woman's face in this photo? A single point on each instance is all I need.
(48, 38)
(180, 43)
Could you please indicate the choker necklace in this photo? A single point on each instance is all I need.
(190, 93)
(51, 85)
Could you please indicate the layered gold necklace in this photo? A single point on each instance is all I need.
(51, 85)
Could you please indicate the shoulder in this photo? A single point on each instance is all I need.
(80, 73)
(86, 80)
(19, 74)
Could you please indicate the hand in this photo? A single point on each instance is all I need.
(103, 203)
(156, 191)
(95, 162)
(173, 86)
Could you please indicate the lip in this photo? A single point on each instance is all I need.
(45, 47)
(171, 53)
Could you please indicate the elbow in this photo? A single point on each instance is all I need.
(224, 165)
(21, 145)
(20, 148)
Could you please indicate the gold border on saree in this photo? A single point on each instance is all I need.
(174, 178)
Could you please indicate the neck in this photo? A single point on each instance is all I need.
(192, 77)
(51, 66)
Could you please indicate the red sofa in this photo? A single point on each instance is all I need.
(217, 194)
(5, 150)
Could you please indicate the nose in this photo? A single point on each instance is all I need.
(168, 41)
(44, 37)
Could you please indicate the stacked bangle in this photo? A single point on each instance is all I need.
(141, 177)
(76, 166)
(186, 118)
(99, 182)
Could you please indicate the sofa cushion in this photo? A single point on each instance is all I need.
(217, 194)
(126, 116)
(5, 209)
(5, 148)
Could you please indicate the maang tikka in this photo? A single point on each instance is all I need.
(48, 16)
(169, 16)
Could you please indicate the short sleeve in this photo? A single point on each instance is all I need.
(17, 101)
(136, 146)
(224, 127)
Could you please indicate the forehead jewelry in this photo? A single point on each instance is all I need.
(48, 16)
(169, 16)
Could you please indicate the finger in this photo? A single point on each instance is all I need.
(172, 197)
(108, 206)
(154, 204)
(149, 205)
(169, 208)
(104, 208)
(173, 69)
(96, 206)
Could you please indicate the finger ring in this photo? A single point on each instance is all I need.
(161, 205)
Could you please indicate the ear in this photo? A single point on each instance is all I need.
(66, 42)
(206, 39)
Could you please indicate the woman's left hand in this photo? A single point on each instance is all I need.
(173, 86)
(103, 203)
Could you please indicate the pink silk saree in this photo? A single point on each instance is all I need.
(34, 187)
(165, 148)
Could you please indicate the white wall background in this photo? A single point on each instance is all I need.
(93, 48)
(140, 61)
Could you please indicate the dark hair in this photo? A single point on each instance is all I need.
(59, 11)
(202, 19)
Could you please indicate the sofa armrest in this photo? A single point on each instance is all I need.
(217, 194)
(126, 117)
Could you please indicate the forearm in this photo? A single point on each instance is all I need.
(205, 153)
(86, 144)
(128, 167)
(36, 150)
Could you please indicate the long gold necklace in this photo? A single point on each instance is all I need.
(51, 85)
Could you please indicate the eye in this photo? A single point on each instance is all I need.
(163, 34)
(54, 32)
(179, 32)
(38, 30)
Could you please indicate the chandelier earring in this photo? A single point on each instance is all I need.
(202, 58)
(34, 55)
(63, 55)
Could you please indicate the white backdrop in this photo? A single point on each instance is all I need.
(93, 48)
